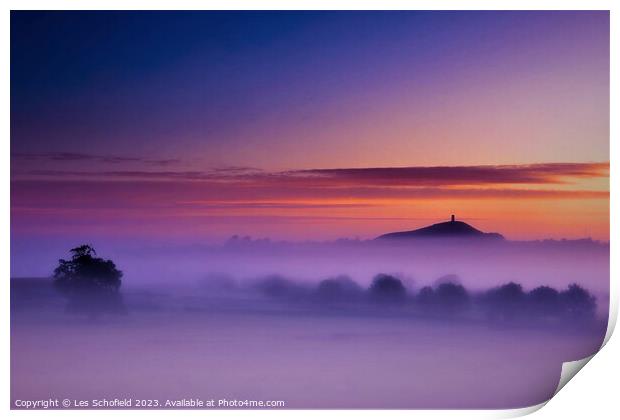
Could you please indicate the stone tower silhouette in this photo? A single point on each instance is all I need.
(452, 218)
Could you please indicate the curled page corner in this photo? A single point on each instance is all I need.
(570, 369)
(520, 412)
(613, 316)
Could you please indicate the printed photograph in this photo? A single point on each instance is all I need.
(306, 209)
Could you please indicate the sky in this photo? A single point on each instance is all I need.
(308, 125)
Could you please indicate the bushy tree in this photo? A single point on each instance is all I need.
(85, 273)
(426, 295)
(451, 295)
(509, 293)
(338, 288)
(276, 286)
(504, 302)
(544, 300)
(92, 284)
(387, 288)
(578, 302)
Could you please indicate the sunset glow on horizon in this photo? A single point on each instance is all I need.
(308, 125)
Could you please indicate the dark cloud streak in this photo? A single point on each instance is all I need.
(482, 175)
(543, 173)
(83, 157)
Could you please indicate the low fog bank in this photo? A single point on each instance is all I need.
(510, 305)
(500, 282)
(557, 263)
(480, 266)
(393, 342)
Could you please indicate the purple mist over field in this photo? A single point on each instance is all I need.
(204, 328)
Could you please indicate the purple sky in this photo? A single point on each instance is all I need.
(308, 125)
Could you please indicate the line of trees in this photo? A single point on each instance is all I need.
(503, 303)
(92, 285)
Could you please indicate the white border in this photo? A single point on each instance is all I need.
(594, 392)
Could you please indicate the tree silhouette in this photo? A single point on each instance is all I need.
(426, 296)
(451, 295)
(578, 302)
(544, 300)
(276, 286)
(338, 289)
(92, 284)
(387, 288)
(445, 299)
(504, 302)
(507, 294)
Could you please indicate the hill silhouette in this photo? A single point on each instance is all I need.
(450, 229)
